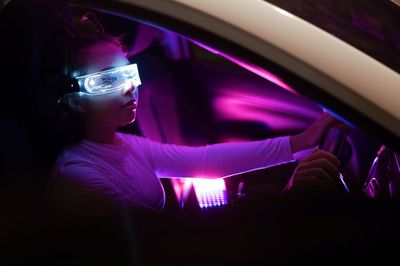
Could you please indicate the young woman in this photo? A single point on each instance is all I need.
(101, 168)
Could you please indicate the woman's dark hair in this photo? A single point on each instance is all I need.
(68, 124)
(86, 32)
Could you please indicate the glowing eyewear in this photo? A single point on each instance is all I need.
(111, 80)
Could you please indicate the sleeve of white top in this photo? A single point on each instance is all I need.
(218, 160)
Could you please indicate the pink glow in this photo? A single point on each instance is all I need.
(253, 68)
(262, 73)
(273, 112)
(182, 188)
(210, 192)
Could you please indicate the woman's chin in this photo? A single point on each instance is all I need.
(131, 119)
(127, 118)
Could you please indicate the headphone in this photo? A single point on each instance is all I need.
(68, 85)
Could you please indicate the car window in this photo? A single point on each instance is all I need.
(298, 74)
(213, 98)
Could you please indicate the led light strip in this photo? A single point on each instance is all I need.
(210, 192)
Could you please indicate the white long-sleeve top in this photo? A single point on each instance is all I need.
(128, 171)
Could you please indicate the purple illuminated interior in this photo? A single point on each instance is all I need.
(219, 98)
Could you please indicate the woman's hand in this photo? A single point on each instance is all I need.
(319, 170)
(313, 135)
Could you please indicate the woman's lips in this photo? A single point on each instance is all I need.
(131, 104)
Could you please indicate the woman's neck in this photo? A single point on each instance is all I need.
(100, 133)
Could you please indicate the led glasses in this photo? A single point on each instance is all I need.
(110, 80)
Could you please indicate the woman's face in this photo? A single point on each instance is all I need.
(114, 109)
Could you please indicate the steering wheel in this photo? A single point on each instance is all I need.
(335, 142)
(383, 179)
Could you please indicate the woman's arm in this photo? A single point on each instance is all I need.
(218, 160)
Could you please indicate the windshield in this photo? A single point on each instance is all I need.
(371, 26)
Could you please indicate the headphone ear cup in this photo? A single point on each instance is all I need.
(65, 86)
(72, 85)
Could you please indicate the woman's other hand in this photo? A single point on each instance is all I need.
(317, 172)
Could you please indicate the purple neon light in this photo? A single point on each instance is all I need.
(182, 188)
(274, 111)
(253, 68)
(210, 192)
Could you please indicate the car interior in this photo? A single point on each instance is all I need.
(193, 94)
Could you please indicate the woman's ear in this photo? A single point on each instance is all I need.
(74, 101)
